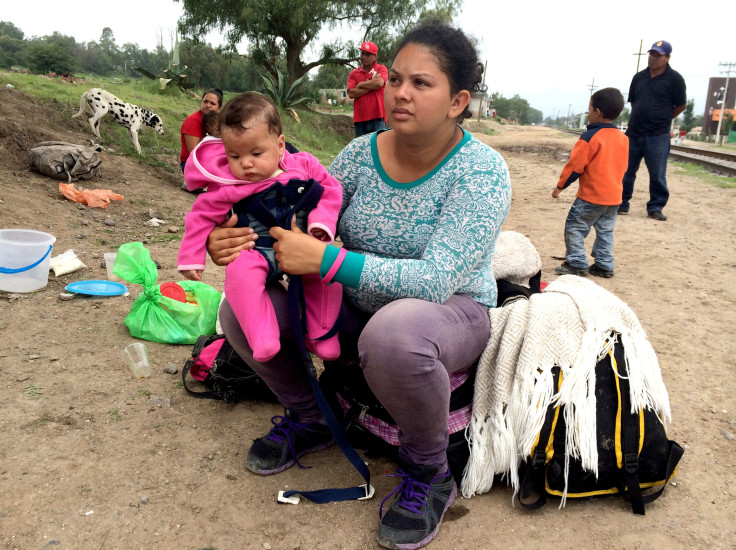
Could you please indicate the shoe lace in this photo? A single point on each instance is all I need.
(412, 493)
(283, 429)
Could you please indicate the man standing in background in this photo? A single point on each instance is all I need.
(657, 96)
(365, 87)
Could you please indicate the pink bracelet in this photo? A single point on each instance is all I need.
(327, 279)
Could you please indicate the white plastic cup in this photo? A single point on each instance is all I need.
(136, 357)
(109, 264)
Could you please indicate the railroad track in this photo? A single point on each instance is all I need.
(719, 162)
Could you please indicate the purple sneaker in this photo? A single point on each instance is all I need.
(421, 500)
(281, 448)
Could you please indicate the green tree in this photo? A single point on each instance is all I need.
(9, 29)
(516, 109)
(103, 57)
(331, 76)
(279, 31)
(132, 56)
(624, 117)
(11, 44)
(86, 56)
(688, 118)
(388, 38)
(111, 54)
(54, 53)
(534, 116)
(241, 77)
(160, 57)
(207, 67)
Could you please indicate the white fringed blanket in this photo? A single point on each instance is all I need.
(570, 325)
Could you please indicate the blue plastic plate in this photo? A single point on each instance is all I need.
(97, 288)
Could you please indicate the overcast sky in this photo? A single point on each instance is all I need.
(548, 53)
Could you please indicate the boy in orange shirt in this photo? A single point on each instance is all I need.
(599, 159)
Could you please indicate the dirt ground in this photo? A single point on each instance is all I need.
(89, 461)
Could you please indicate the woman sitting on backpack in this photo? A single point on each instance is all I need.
(423, 205)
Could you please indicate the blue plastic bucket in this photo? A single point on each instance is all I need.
(24, 259)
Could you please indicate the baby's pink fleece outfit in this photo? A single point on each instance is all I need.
(245, 277)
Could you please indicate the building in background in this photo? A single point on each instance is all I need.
(334, 96)
(713, 103)
(482, 103)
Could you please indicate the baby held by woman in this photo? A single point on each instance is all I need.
(249, 171)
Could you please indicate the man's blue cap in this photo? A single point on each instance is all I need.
(665, 48)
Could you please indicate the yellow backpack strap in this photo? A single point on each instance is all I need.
(532, 494)
(629, 445)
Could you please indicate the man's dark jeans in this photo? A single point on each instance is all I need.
(654, 150)
(369, 126)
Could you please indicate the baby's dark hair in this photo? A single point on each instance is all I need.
(456, 55)
(211, 123)
(217, 92)
(609, 101)
(241, 111)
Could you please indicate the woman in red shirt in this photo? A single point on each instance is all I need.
(191, 130)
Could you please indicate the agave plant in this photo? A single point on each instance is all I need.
(282, 94)
(173, 74)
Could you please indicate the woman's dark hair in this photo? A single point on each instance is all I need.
(240, 111)
(456, 55)
(609, 101)
(218, 93)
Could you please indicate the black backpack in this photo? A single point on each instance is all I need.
(635, 457)
(360, 413)
(227, 376)
(363, 417)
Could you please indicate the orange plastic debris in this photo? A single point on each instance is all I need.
(96, 198)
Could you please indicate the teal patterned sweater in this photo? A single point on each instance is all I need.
(428, 239)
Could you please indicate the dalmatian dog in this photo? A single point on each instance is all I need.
(96, 103)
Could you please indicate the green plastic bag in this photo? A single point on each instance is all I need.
(157, 318)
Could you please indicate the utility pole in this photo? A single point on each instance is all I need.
(567, 120)
(592, 87)
(639, 55)
(727, 72)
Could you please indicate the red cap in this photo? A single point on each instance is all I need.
(369, 47)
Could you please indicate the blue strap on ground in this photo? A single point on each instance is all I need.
(321, 496)
(286, 201)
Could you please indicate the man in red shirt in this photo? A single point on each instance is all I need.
(365, 86)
